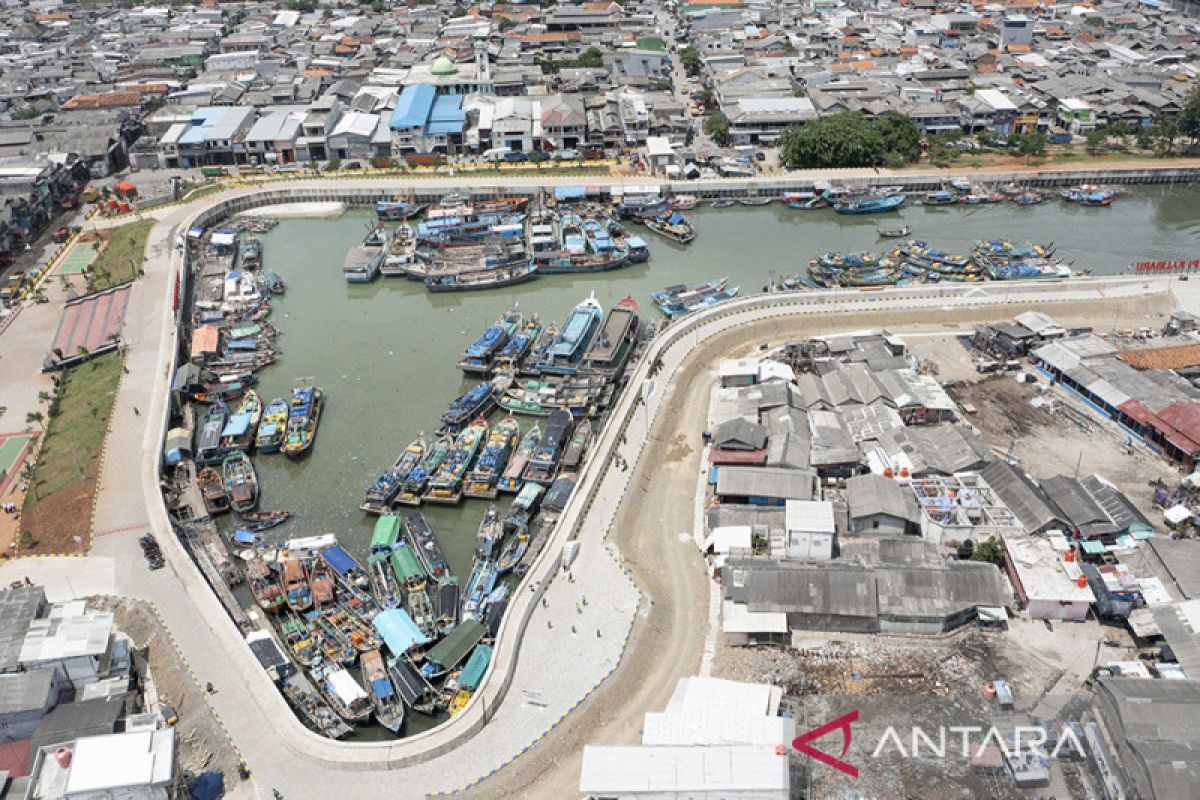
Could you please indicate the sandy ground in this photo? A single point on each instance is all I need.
(669, 634)
(202, 742)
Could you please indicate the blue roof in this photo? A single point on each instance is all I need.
(399, 632)
(569, 192)
(339, 559)
(447, 115)
(413, 106)
(238, 424)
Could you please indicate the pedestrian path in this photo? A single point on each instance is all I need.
(77, 259)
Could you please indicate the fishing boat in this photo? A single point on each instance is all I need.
(543, 464)
(377, 236)
(469, 678)
(685, 202)
(573, 455)
(940, 197)
(299, 641)
(489, 534)
(389, 708)
(258, 521)
(425, 544)
(353, 626)
(383, 580)
(521, 512)
(481, 481)
(393, 210)
(383, 491)
(618, 336)
(344, 694)
(240, 427)
(295, 586)
(320, 582)
(1089, 195)
(311, 706)
(480, 356)
(724, 202)
(212, 491)
(446, 486)
(893, 233)
(870, 204)
(331, 642)
(755, 201)
(446, 599)
(449, 652)
(670, 224)
(580, 394)
(264, 585)
(272, 427)
(1029, 198)
(568, 348)
(478, 401)
(699, 302)
(401, 251)
(362, 263)
(479, 586)
(208, 440)
(303, 416)
(804, 201)
(638, 251)
(678, 292)
(413, 687)
(518, 346)
(478, 280)
(414, 485)
(241, 484)
(413, 579)
(510, 480)
(573, 244)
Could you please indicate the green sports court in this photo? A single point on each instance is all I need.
(78, 259)
(12, 451)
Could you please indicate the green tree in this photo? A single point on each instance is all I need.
(900, 134)
(847, 139)
(989, 551)
(1188, 121)
(1096, 141)
(943, 155)
(36, 418)
(1095, 20)
(507, 23)
(377, 6)
(334, 164)
(689, 57)
(1030, 145)
(1163, 135)
(457, 11)
(716, 126)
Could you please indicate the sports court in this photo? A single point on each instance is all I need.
(13, 447)
(77, 260)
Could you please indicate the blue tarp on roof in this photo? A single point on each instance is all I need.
(413, 106)
(337, 557)
(569, 192)
(382, 688)
(237, 425)
(398, 631)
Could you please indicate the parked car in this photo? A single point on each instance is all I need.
(760, 156)
(567, 154)
(538, 156)
(516, 157)
(351, 165)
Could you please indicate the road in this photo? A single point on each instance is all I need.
(558, 665)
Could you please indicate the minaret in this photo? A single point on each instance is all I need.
(483, 69)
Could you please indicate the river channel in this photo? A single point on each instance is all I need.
(385, 352)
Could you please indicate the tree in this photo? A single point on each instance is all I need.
(900, 134)
(1095, 20)
(1096, 141)
(689, 57)
(457, 11)
(334, 164)
(1163, 136)
(1188, 121)
(846, 139)
(36, 418)
(507, 23)
(943, 155)
(716, 126)
(1030, 145)
(989, 551)
(377, 6)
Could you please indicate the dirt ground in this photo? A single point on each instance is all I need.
(668, 635)
(201, 741)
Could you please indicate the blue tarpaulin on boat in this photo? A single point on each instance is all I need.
(382, 687)
(569, 192)
(337, 557)
(398, 631)
(243, 536)
(677, 219)
(635, 241)
(237, 425)
(242, 344)
(195, 233)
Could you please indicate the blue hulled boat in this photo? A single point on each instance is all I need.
(568, 348)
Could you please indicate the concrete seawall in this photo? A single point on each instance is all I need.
(672, 346)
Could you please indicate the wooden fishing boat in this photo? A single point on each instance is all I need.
(481, 481)
(331, 640)
(208, 439)
(344, 694)
(427, 548)
(303, 416)
(414, 485)
(295, 586)
(299, 641)
(258, 521)
(489, 534)
(379, 495)
(272, 427)
(510, 480)
(311, 706)
(240, 428)
(264, 585)
(212, 491)
(449, 652)
(321, 583)
(894, 233)
(241, 483)
(447, 485)
(389, 708)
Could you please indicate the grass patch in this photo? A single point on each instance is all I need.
(203, 191)
(70, 453)
(120, 261)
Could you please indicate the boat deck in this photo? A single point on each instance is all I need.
(612, 336)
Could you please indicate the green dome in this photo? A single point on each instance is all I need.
(443, 66)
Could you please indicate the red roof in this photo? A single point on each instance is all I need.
(14, 758)
(752, 458)
(1184, 421)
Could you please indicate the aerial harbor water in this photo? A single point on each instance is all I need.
(385, 352)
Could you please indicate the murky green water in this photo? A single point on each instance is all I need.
(385, 352)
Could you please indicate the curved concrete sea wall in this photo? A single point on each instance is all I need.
(669, 350)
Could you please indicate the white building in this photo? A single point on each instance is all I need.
(1049, 586)
(717, 740)
(810, 529)
(137, 765)
(75, 642)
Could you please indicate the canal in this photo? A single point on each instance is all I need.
(385, 352)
